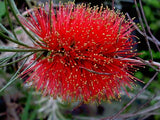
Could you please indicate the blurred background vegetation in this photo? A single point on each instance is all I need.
(18, 102)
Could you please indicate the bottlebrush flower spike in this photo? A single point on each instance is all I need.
(84, 50)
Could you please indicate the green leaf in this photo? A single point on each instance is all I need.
(148, 13)
(12, 49)
(16, 60)
(59, 115)
(3, 60)
(32, 62)
(13, 5)
(155, 25)
(25, 114)
(14, 77)
(154, 3)
(9, 20)
(19, 32)
(16, 13)
(12, 40)
(6, 31)
(138, 75)
(2, 9)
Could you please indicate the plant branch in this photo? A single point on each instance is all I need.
(92, 71)
(146, 23)
(112, 4)
(50, 14)
(141, 61)
(144, 31)
(134, 98)
(142, 112)
(155, 40)
(151, 64)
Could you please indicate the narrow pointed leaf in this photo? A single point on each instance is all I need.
(11, 49)
(3, 60)
(6, 31)
(16, 60)
(32, 62)
(16, 13)
(13, 78)
(12, 40)
(9, 19)
(14, 6)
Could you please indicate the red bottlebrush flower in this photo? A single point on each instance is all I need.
(84, 50)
